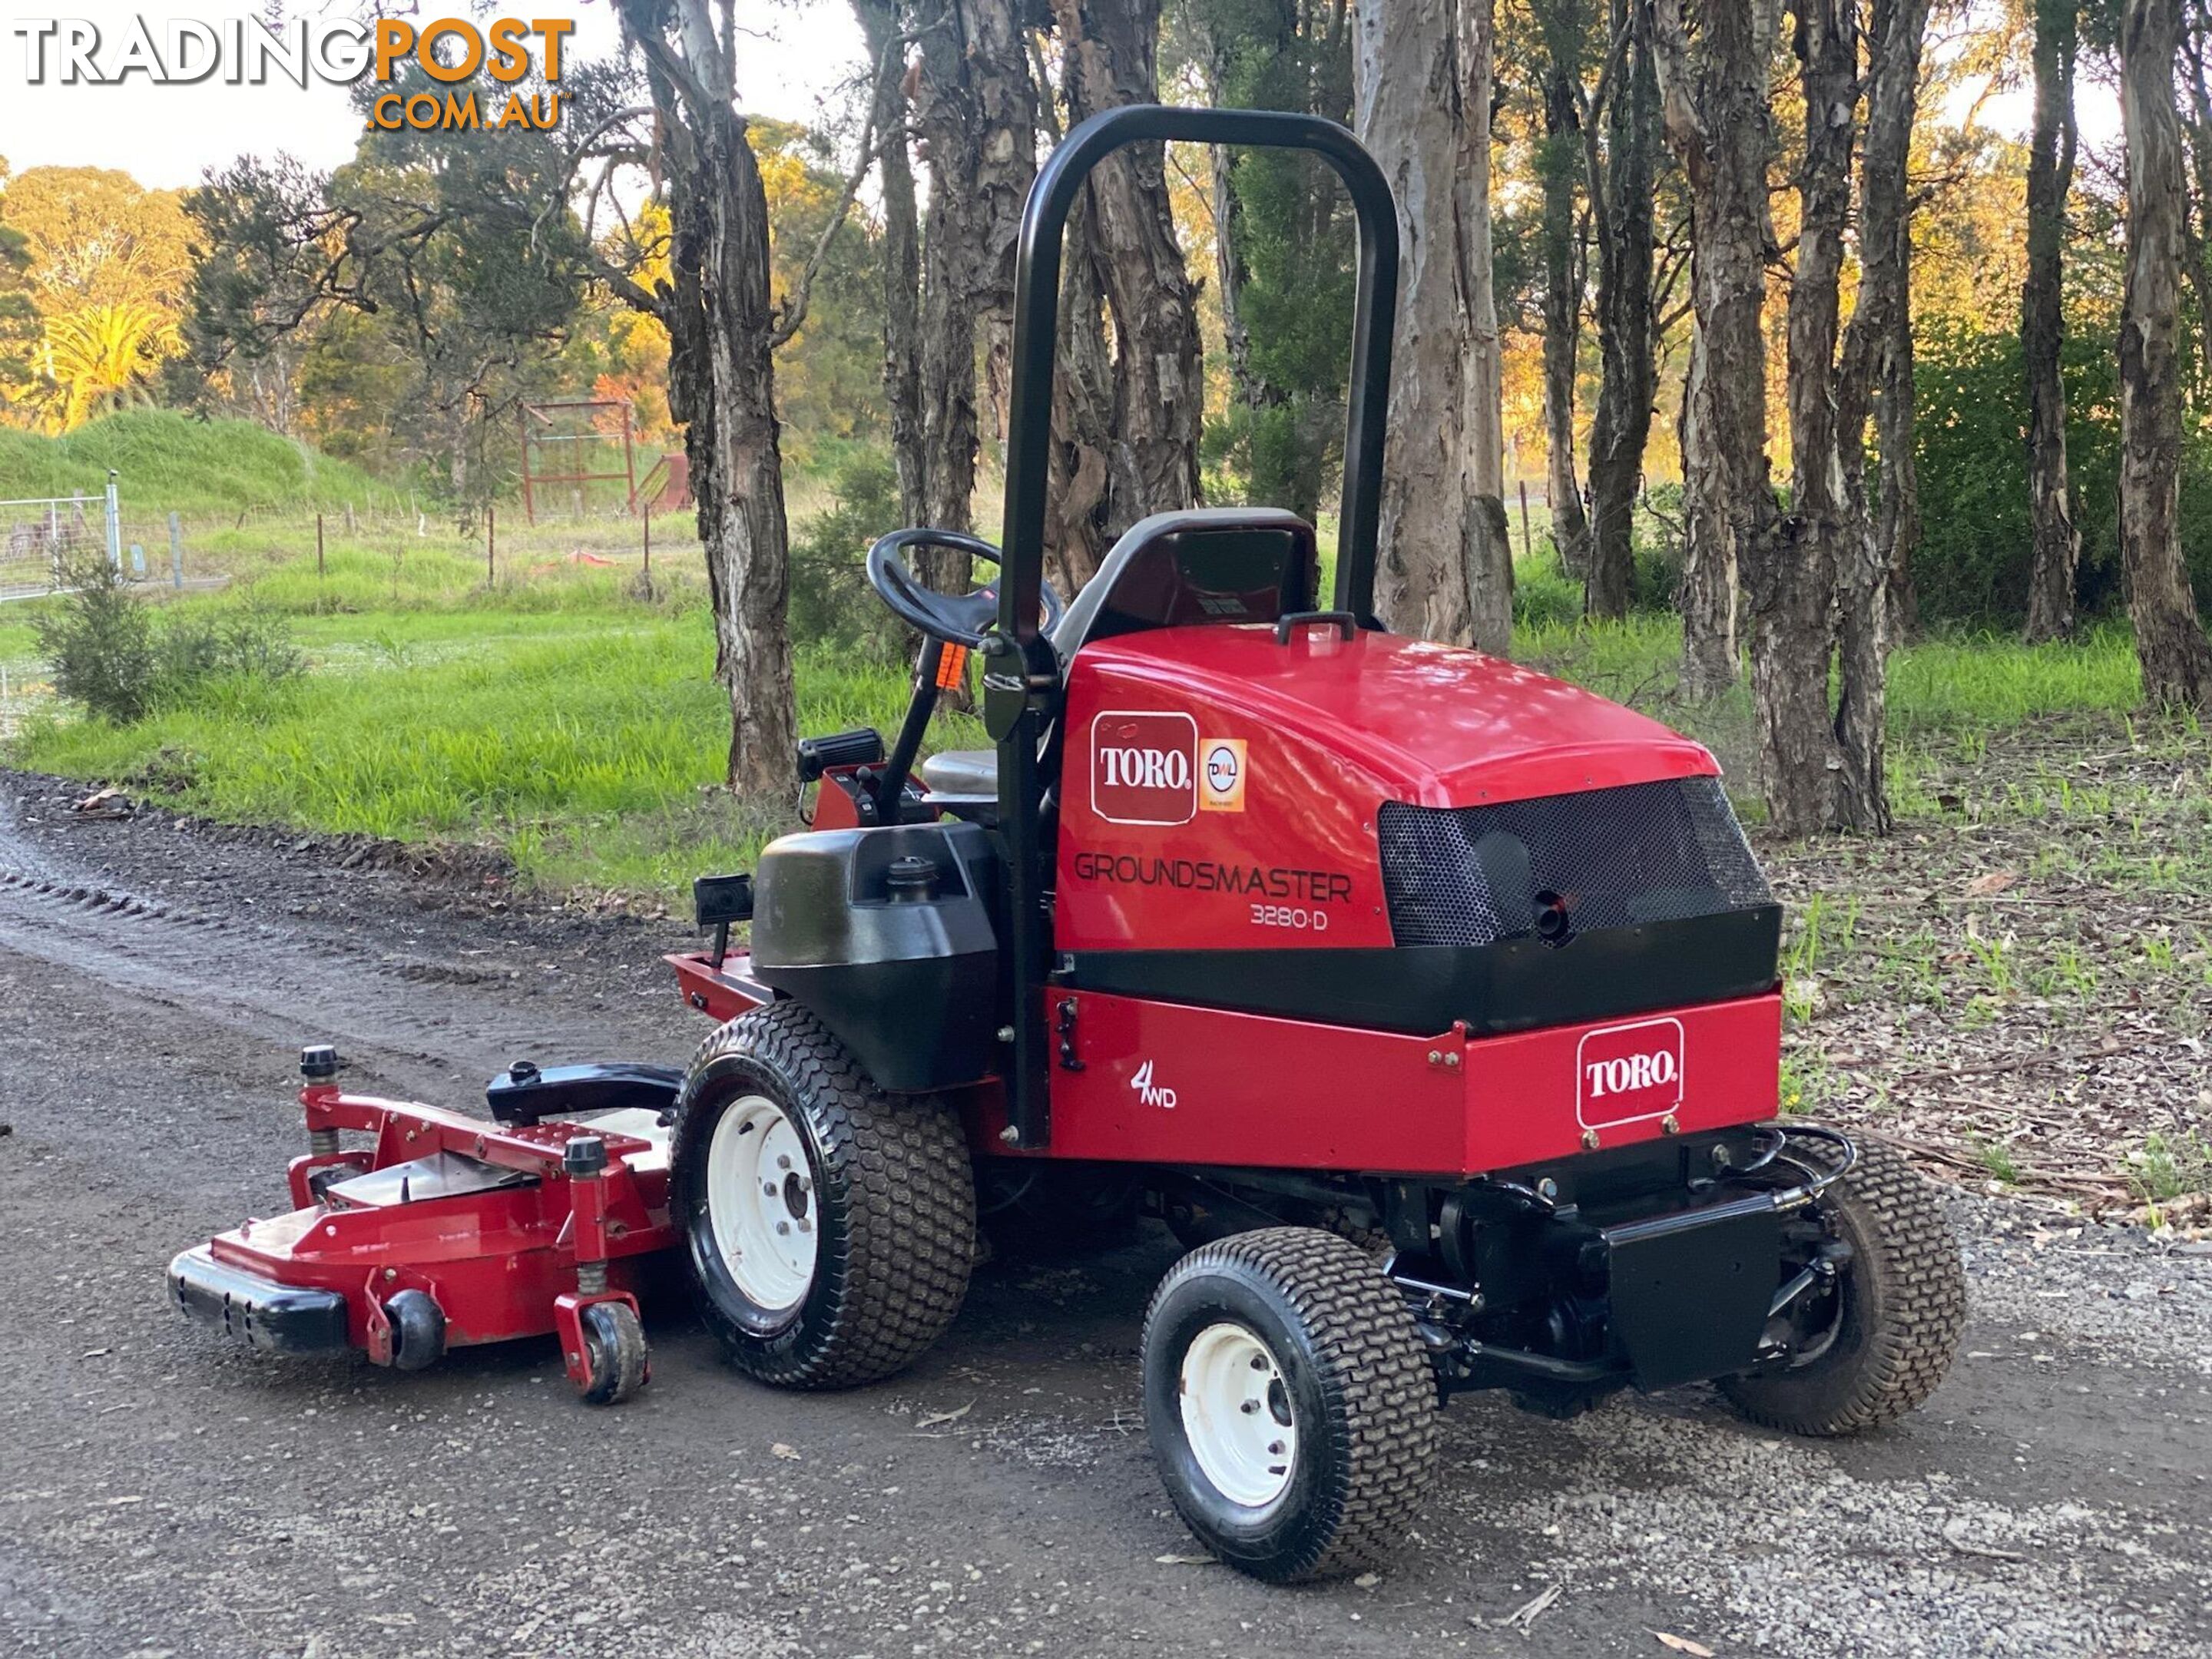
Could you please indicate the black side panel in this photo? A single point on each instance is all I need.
(909, 984)
(1513, 985)
(258, 1311)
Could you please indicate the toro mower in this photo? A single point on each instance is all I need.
(1433, 1004)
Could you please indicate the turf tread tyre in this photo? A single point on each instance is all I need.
(1902, 1329)
(1378, 1391)
(895, 1196)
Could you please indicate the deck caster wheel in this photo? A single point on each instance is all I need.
(615, 1353)
(1291, 1405)
(828, 1228)
(1874, 1337)
(418, 1330)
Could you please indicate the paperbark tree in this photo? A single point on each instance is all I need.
(1621, 186)
(1489, 544)
(1877, 370)
(1714, 109)
(1564, 28)
(1108, 58)
(1421, 99)
(2170, 642)
(1790, 591)
(721, 378)
(2057, 541)
(882, 26)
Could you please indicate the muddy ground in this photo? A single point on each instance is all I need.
(161, 1494)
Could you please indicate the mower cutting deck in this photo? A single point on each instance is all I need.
(448, 1231)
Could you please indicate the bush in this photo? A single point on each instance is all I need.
(98, 641)
(831, 602)
(109, 653)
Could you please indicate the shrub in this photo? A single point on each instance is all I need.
(109, 653)
(831, 603)
(98, 641)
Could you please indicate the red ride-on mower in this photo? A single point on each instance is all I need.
(1435, 1001)
(448, 1231)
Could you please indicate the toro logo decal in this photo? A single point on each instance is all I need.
(1143, 767)
(1624, 1073)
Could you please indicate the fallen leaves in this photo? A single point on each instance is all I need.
(1989, 885)
(789, 1454)
(1675, 1644)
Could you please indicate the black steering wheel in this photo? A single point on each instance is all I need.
(955, 618)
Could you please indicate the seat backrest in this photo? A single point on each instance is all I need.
(1217, 564)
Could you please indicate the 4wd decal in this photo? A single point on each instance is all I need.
(1624, 1073)
(1143, 767)
(1150, 1093)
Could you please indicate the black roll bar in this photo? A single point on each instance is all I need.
(1021, 678)
(1037, 331)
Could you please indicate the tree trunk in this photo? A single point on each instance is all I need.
(1620, 189)
(1108, 48)
(1489, 548)
(901, 255)
(721, 375)
(1408, 84)
(1790, 593)
(1560, 162)
(1708, 593)
(1877, 369)
(1714, 114)
(2170, 642)
(997, 66)
(2057, 543)
(2196, 124)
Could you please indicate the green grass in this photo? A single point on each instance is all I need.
(560, 716)
(178, 463)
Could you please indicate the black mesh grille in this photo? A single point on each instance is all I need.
(1614, 858)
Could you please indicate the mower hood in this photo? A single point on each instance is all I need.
(1436, 725)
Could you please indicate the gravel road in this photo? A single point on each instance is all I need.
(162, 1494)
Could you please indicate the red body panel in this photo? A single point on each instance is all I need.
(1219, 791)
(1162, 1083)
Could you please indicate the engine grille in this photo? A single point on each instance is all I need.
(1612, 858)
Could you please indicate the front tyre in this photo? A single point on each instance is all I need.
(828, 1227)
(1292, 1409)
(1876, 1345)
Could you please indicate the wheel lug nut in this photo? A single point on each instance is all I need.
(782, 1162)
(1274, 1448)
(1258, 1364)
(769, 1187)
(1249, 1407)
(805, 1226)
(783, 1226)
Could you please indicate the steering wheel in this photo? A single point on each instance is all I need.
(955, 618)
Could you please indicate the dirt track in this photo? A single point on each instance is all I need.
(161, 1494)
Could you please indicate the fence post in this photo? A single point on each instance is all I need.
(177, 550)
(318, 546)
(492, 544)
(350, 531)
(648, 552)
(1527, 542)
(115, 521)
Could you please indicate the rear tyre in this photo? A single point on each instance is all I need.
(828, 1228)
(1291, 1408)
(1884, 1337)
(615, 1354)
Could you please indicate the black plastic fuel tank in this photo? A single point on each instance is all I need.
(886, 935)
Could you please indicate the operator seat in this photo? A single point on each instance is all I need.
(1199, 565)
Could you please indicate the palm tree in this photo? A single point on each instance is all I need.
(99, 358)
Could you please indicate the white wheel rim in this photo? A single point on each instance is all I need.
(1236, 1415)
(760, 1203)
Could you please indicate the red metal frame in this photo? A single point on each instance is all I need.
(500, 1264)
